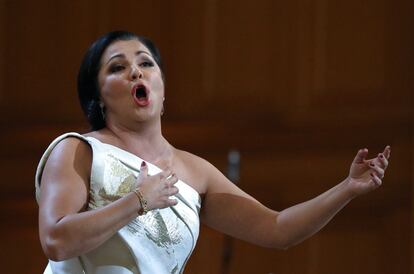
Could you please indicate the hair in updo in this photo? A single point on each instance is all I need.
(88, 88)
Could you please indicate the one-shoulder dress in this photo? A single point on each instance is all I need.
(159, 242)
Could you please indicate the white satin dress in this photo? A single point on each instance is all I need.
(159, 242)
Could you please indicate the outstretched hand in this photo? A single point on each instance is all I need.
(366, 175)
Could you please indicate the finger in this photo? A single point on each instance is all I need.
(164, 174)
(377, 181)
(173, 191)
(383, 162)
(387, 152)
(377, 170)
(143, 171)
(172, 180)
(360, 157)
(172, 202)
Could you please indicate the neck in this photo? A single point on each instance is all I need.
(142, 139)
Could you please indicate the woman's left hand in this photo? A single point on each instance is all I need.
(366, 175)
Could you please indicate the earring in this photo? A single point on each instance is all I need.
(162, 110)
(102, 107)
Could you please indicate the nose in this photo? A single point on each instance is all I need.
(136, 73)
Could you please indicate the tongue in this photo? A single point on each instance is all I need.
(141, 95)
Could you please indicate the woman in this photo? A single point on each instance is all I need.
(114, 200)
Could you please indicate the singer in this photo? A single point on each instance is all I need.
(122, 199)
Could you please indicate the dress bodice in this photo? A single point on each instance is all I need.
(159, 242)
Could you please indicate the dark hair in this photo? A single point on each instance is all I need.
(88, 88)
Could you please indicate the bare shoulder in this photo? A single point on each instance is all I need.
(203, 174)
(192, 160)
(70, 155)
(193, 170)
(64, 183)
(71, 146)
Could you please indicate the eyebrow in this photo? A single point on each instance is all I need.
(121, 55)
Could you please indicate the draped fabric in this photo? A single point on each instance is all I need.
(159, 242)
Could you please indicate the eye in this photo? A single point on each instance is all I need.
(146, 64)
(116, 67)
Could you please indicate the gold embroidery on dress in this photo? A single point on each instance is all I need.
(118, 180)
(162, 228)
(163, 232)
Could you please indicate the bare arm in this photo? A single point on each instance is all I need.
(230, 210)
(66, 229)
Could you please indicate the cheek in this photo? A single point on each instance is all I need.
(109, 85)
(104, 85)
(158, 84)
(161, 86)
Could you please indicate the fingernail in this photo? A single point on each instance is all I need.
(381, 156)
(371, 164)
(372, 175)
(143, 164)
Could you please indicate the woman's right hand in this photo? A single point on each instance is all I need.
(158, 188)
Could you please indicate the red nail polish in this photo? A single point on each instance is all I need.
(381, 156)
(143, 164)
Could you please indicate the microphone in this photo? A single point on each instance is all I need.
(233, 174)
(233, 167)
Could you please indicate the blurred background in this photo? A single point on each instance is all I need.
(297, 87)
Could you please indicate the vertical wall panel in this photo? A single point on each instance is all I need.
(296, 86)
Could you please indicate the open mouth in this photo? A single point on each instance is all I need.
(140, 94)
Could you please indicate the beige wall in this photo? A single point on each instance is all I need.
(296, 86)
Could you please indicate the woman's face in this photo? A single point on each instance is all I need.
(130, 83)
